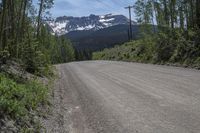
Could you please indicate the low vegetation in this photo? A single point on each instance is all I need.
(18, 103)
(162, 48)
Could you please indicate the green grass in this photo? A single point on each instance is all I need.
(135, 51)
(158, 49)
(17, 101)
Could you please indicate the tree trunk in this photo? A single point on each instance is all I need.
(39, 17)
(198, 13)
(12, 29)
(18, 28)
(20, 14)
(172, 11)
(181, 16)
(187, 16)
(192, 13)
(166, 14)
(3, 25)
(23, 18)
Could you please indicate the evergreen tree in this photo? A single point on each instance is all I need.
(24, 36)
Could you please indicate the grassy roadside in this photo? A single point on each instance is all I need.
(23, 103)
(158, 49)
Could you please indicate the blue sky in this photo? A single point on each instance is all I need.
(87, 7)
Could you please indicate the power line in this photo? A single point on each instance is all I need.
(116, 2)
(130, 23)
(103, 3)
(122, 2)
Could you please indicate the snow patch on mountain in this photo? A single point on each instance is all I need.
(58, 27)
(65, 24)
(88, 27)
(106, 20)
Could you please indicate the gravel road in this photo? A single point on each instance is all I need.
(120, 97)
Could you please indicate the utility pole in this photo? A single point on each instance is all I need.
(130, 28)
(128, 34)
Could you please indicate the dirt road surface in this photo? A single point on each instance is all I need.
(119, 97)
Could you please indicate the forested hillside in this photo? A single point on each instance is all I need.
(100, 39)
(23, 35)
(175, 40)
(27, 50)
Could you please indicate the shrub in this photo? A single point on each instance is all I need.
(197, 63)
(16, 100)
(4, 55)
(164, 48)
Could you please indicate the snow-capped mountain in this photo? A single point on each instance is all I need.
(65, 24)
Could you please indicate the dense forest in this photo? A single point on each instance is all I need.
(27, 52)
(24, 36)
(169, 34)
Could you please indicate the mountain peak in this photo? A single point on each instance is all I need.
(64, 24)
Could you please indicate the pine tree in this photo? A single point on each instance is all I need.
(198, 13)
(19, 38)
